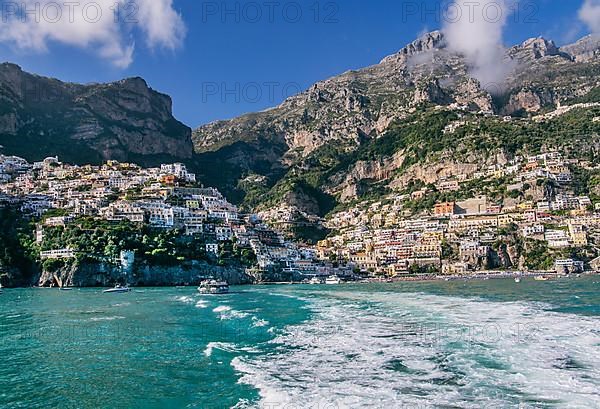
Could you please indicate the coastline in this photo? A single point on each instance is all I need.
(550, 275)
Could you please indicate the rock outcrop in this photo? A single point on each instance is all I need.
(584, 50)
(536, 48)
(424, 44)
(125, 120)
(102, 275)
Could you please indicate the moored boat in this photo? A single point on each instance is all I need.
(333, 280)
(315, 281)
(541, 278)
(214, 287)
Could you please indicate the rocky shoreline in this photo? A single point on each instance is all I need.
(141, 275)
(99, 275)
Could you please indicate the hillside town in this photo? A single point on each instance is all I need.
(538, 225)
(166, 198)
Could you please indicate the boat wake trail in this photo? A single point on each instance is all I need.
(418, 350)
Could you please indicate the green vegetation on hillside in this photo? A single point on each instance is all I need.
(592, 96)
(574, 133)
(101, 241)
(418, 136)
(17, 253)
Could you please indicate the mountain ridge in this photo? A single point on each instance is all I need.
(123, 120)
(534, 48)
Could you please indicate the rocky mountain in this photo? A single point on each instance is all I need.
(309, 147)
(585, 50)
(125, 120)
(366, 101)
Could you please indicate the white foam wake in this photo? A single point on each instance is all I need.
(202, 304)
(185, 299)
(112, 318)
(227, 313)
(227, 347)
(258, 322)
(416, 350)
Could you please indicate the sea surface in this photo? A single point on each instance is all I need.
(474, 344)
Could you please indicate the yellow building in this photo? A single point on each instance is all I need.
(505, 219)
(364, 261)
(427, 251)
(525, 205)
(578, 235)
(193, 204)
(432, 237)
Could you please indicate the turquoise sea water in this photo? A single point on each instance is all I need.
(488, 344)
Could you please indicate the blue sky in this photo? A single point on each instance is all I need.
(222, 66)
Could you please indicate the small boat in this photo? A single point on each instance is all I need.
(0, 288)
(214, 287)
(333, 280)
(117, 289)
(541, 278)
(315, 281)
(65, 289)
(517, 280)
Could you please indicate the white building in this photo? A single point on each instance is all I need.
(568, 266)
(179, 170)
(223, 233)
(123, 210)
(58, 254)
(212, 248)
(534, 230)
(557, 238)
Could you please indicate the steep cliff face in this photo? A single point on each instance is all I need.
(351, 112)
(124, 120)
(17, 264)
(102, 275)
(352, 106)
(585, 50)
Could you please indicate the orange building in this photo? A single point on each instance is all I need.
(531, 166)
(169, 179)
(444, 209)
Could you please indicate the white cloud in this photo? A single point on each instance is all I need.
(103, 26)
(590, 15)
(161, 23)
(475, 29)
